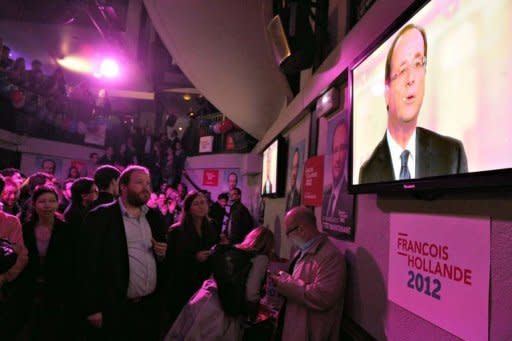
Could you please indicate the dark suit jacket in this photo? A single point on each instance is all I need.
(241, 222)
(103, 264)
(435, 155)
(292, 199)
(58, 265)
(103, 198)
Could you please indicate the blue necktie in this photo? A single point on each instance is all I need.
(404, 171)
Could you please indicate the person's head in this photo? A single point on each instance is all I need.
(109, 151)
(195, 206)
(19, 64)
(232, 180)
(14, 174)
(300, 225)
(339, 151)
(405, 76)
(135, 185)
(182, 189)
(6, 51)
(45, 202)
(122, 148)
(39, 179)
(163, 187)
(153, 200)
(93, 158)
(259, 240)
(83, 192)
(295, 167)
(107, 179)
(178, 147)
(48, 166)
(222, 199)
(235, 194)
(147, 131)
(10, 193)
(229, 143)
(68, 183)
(73, 172)
(37, 65)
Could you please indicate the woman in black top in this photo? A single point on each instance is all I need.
(48, 275)
(188, 247)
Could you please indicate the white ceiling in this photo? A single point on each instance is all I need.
(223, 49)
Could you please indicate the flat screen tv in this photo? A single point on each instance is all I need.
(274, 168)
(431, 100)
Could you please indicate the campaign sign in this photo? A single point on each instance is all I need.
(439, 270)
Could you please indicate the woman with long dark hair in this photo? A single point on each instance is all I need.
(204, 317)
(48, 275)
(187, 252)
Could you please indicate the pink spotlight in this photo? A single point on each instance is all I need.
(109, 68)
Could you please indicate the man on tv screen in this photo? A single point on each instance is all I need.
(408, 151)
(267, 187)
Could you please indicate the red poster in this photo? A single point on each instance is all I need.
(211, 177)
(313, 181)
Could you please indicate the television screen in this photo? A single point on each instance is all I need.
(269, 175)
(431, 100)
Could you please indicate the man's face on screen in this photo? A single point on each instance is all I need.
(406, 86)
(339, 152)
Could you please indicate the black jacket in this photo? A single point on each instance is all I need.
(103, 198)
(58, 264)
(241, 222)
(184, 273)
(103, 262)
(435, 155)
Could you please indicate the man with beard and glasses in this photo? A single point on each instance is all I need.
(123, 245)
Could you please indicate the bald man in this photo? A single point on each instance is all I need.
(314, 288)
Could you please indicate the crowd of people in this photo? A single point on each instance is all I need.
(104, 258)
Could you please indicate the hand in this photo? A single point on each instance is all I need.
(223, 239)
(202, 256)
(96, 320)
(160, 248)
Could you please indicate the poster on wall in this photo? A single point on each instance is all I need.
(230, 179)
(50, 165)
(313, 181)
(337, 204)
(295, 166)
(211, 177)
(439, 269)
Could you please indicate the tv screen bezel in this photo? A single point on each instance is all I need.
(490, 179)
(282, 159)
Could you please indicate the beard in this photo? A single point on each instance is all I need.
(137, 199)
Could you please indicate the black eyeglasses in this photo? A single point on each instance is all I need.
(291, 230)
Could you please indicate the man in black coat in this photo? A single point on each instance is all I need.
(107, 179)
(122, 247)
(407, 151)
(218, 211)
(240, 220)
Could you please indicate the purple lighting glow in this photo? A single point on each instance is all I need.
(109, 68)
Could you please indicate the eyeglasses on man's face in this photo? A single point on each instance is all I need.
(291, 230)
(417, 66)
